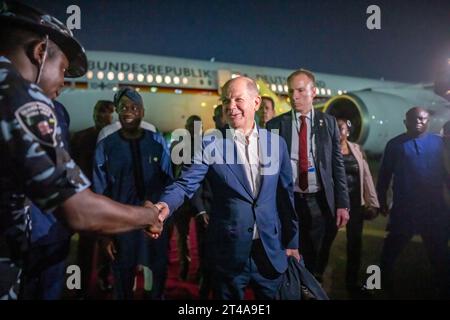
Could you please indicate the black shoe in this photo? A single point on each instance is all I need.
(104, 285)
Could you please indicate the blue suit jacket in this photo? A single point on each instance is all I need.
(234, 207)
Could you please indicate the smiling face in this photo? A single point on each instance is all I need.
(240, 100)
(130, 114)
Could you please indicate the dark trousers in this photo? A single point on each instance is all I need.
(318, 230)
(435, 242)
(88, 252)
(258, 273)
(47, 275)
(204, 270)
(354, 246)
(182, 222)
(123, 282)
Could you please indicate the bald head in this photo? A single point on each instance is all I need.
(250, 84)
(416, 121)
(240, 100)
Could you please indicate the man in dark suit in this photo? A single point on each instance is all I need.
(320, 186)
(253, 223)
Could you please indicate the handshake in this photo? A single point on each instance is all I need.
(158, 213)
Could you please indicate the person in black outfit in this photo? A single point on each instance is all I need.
(363, 200)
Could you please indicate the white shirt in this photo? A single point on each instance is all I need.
(313, 185)
(113, 127)
(248, 154)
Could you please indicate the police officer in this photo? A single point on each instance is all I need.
(36, 52)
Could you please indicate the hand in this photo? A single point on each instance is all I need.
(294, 253)
(203, 218)
(108, 245)
(164, 211)
(384, 210)
(342, 217)
(370, 213)
(155, 226)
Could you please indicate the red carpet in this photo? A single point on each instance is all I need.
(175, 288)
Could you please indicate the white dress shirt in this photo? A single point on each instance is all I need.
(248, 153)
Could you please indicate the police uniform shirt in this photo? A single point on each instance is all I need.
(34, 165)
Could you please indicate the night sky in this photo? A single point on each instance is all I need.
(324, 36)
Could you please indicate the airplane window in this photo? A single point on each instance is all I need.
(329, 92)
(280, 88)
(185, 80)
(120, 76)
(176, 80)
(286, 88)
(149, 78)
(140, 77)
(167, 79)
(130, 76)
(100, 75)
(89, 74)
(273, 87)
(339, 92)
(110, 75)
(158, 78)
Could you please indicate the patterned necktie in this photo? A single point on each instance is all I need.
(303, 154)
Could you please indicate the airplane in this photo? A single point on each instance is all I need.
(175, 88)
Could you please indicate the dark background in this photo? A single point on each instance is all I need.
(327, 36)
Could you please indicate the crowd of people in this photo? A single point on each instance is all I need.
(122, 187)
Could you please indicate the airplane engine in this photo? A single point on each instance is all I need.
(377, 117)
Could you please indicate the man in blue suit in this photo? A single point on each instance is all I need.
(253, 223)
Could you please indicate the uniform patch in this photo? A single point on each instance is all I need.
(38, 120)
